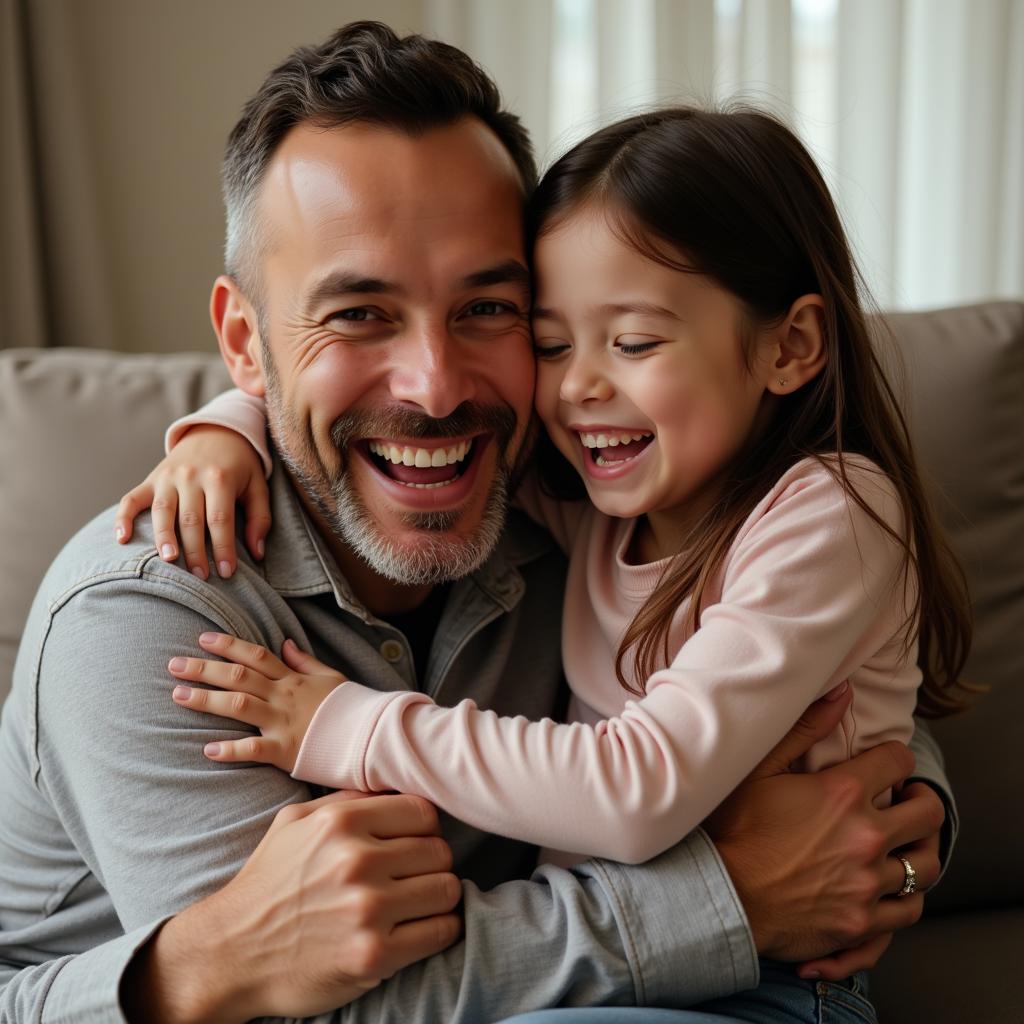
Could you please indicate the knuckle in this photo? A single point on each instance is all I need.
(259, 654)
(442, 852)
(367, 952)
(423, 809)
(189, 518)
(853, 923)
(845, 791)
(186, 473)
(236, 673)
(870, 843)
(239, 702)
(216, 475)
(219, 517)
(451, 889)
(902, 759)
(162, 504)
(288, 814)
(253, 746)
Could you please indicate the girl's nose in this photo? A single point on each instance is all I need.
(585, 381)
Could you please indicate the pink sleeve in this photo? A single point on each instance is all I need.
(807, 598)
(242, 413)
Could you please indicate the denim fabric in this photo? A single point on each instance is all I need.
(781, 998)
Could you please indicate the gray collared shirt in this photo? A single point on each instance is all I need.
(113, 820)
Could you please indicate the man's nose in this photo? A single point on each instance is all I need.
(585, 380)
(434, 372)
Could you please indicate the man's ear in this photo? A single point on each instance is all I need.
(236, 324)
(798, 353)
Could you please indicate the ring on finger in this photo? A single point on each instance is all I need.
(909, 877)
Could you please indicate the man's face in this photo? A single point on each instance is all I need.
(395, 308)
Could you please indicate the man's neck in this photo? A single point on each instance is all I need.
(377, 593)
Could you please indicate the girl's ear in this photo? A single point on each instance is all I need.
(799, 346)
(235, 322)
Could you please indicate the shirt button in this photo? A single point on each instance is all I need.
(392, 650)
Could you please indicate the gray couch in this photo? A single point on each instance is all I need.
(78, 426)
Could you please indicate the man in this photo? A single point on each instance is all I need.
(377, 290)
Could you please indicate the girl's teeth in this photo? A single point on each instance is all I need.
(610, 440)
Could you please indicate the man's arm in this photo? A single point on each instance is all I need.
(124, 765)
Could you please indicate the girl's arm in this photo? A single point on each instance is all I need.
(808, 598)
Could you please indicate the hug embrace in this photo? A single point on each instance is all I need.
(625, 424)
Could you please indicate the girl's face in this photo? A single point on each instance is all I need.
(641, 380)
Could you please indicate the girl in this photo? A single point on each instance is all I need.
(756, 535)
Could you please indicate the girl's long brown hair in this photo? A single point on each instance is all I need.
(735, 196)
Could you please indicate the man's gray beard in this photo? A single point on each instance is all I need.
(432, 558)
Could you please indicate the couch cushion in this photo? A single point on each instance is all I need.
(965, 379)
(78, 427)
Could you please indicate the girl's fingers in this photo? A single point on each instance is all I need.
(847, 961)
(300, 661)
(220, 521)
(256, 501)
(192, 523)
(252, 748)
(242, 707)
(164, 509)
(221, 674)
(244, 653)
(135, 501)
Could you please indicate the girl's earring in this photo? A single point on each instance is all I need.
(783, 382)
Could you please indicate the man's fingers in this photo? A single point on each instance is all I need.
(424, 896)
(388, 816)
(410, 856)
(847, 961)
(814, 725)
(879, 769)
(415, 940)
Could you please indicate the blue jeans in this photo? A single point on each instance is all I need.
(781, 998)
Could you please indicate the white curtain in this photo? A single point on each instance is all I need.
(913, 108)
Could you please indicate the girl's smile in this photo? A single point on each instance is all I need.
(641, 377)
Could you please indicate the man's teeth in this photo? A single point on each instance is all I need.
(421, 458)
(610, 440)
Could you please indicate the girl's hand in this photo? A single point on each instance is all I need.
(209, 470)
(279, 699)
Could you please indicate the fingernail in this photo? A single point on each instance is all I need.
(260, 548)
(211, 749)
(209, 638)
(198, 570)
(837, 691)
(177, 664)
(120, 533)
(289, 642)
(182, 692)
(167, 551)
(224, 568)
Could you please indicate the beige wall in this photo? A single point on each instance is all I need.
(132, 101)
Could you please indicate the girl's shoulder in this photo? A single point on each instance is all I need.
(829, 481)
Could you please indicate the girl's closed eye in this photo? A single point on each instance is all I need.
(637, 344)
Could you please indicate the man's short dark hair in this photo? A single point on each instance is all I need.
(363, 73)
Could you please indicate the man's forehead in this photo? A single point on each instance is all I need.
(372, 174)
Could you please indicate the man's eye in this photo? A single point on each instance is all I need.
(355, 315)
(488, 307)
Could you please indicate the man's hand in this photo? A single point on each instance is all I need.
(811, 856)
(341, 893)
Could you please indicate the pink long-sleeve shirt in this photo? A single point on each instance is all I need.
(810, 593)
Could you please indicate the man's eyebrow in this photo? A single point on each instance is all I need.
(343, 282)
(507, 272)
